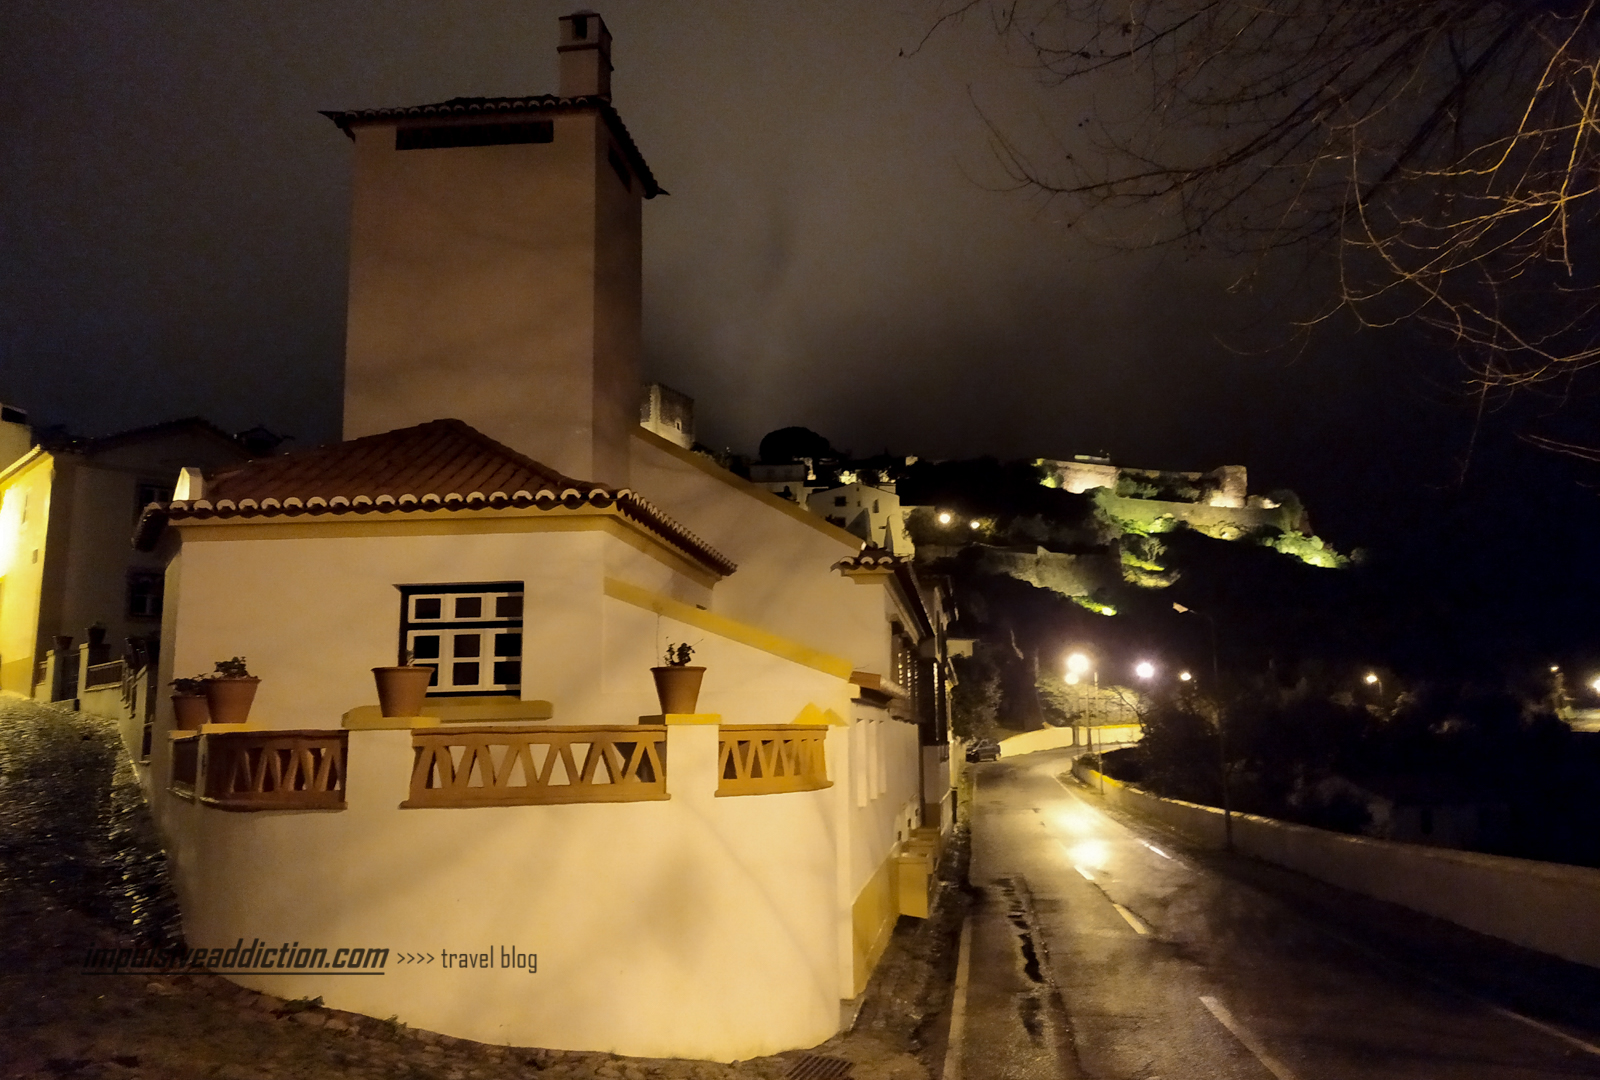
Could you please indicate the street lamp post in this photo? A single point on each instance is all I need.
(1077, 665)
(1222, 726)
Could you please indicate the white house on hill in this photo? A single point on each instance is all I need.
(541, 855)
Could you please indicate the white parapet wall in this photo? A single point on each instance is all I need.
(694, 926)
(1054, 738)
(1549, 907)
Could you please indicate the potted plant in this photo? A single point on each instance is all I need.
(402, 689)
(677, 683)
(189, 710)
(229, 691)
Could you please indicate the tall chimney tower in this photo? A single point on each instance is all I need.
(495, 267)
(585, 53)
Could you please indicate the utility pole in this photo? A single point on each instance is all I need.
(1222, 726)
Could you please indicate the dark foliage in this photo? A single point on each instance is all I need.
(793, 443)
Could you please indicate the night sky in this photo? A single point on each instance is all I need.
(840, 249)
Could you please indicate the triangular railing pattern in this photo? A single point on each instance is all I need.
(767, 760)
(274, 770)
(521, 766)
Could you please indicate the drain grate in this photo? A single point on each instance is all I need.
(817, 1067)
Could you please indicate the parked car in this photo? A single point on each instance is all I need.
(983, 750)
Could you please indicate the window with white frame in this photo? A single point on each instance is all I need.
(469, 633)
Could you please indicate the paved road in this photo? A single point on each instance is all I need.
(1104, 948)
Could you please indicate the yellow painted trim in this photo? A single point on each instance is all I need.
(387, 723)
(675, 718)
(760, 494)
(813, 715)
(371, 718)
(16, 676)
(731, 629)
(453, 523)
(872, 919)
(25, 463)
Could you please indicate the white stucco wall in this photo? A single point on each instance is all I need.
(742, 684)
(314, 615)
(694, 927)
(785, 582)
(698, 926)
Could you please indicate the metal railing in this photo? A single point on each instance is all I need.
(275, 770)
(526, 766)
(100, 675)
(767, 760)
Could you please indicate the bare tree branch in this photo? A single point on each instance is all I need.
(1447, 150)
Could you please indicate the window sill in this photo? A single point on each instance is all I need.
(438, 712)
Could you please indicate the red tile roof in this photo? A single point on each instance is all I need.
(463, 108)
(443, 464)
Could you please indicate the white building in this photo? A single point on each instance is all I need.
(668, 413)
(574, 868)
(869, 511)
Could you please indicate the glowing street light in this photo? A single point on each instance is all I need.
(944, 517)
(1145, 669)
(1077, 664)
(1371, 678)
(1594, 684)
(1184, 676)
(973, 524)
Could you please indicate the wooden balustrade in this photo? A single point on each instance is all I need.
(762, 760)
(523, 766)
(275, 770)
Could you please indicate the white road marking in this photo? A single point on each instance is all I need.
(1499, 1010)
(1444, 984)
(1539, 1025)
(1245, 1036)
(1086, 875)
(958, 1005)
(1133, 920)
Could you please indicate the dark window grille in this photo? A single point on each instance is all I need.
(452, 628)
(144, 594)
(448, 136)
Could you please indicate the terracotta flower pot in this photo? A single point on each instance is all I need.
(401, 690)
(189, 711)
(229, 699)
(678, 687)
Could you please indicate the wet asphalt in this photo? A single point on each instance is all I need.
(1105, 947)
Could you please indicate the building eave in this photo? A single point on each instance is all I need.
(477, 108)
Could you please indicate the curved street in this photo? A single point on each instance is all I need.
(1104, 947)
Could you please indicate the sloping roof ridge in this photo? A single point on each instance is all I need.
(430, 454)
(105, 442)
(432, 449)
(517, 457)
(480, 106)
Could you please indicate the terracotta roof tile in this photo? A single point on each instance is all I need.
(464, 108)
(443, 464)
(873, 560)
